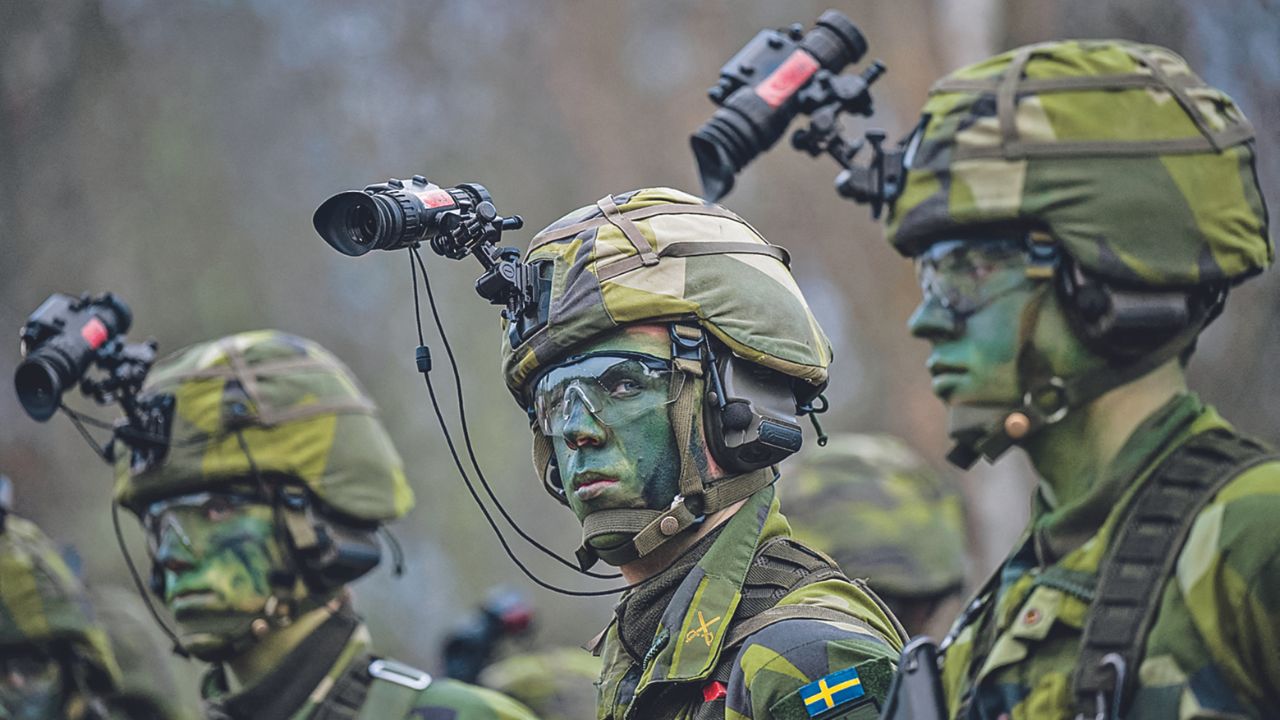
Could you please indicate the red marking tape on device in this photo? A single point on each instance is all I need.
(94, 333)
(782, 83)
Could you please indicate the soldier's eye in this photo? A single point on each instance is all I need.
(625, 388)
(218, 510)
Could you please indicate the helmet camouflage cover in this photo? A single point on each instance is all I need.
(300, 412)
(1141, 171)
(881, 512)
(556, 684)
(656, 255)
(43, 604)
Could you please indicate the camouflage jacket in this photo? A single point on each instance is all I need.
(1212, 648)
(332, 676)
(694, 666)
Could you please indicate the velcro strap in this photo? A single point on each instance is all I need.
(645, 527)
(635, 215)
(729, 491)
(691, 249)
(301, 531)
(642, 245)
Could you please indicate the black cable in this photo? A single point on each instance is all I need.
(397, 552)
(142, 589)
(466, 431)
(84, 433)
(475, 496)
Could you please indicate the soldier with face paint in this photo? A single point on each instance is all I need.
(55, 661)
(662, 378)
(276, 477)
(1077, 212)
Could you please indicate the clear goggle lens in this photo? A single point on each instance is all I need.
(613, 388)
(963, 276)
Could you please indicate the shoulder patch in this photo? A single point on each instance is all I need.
(832, 691)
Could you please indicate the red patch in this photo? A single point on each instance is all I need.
(714, 690)
(436, 198)
(94, 333)
(782, 83)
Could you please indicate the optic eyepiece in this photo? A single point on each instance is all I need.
(59, 342)
(355, 222)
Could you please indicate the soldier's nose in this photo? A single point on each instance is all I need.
(933, 322)
(581, 428)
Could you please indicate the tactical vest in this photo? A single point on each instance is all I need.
(1140, 560)
(374, 689)
(781, 566)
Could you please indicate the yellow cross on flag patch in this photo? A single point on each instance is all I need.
(834, 690)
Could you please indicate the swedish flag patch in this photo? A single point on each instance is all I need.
(832, 691)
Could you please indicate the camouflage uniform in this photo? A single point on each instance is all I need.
(877, 508)
(44, 607)
(557, 684)
(302, 417)
(1142, 175)
(745, 623)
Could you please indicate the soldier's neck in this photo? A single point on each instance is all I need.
(1073, 455)
(658, 560)
(266, 655)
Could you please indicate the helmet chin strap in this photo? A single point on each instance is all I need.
(989, 432)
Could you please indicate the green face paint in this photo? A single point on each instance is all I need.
(31, 685)
(217, 552)
(975, 295)
(608, 420)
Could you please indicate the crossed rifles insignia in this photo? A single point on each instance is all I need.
(703, 630)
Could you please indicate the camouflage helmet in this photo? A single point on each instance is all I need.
(300, 412)
(1142, 172)
(43, 604)
(882, 513)
(556, 684)
(656, 255)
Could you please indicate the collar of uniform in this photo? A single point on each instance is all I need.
(302, 674)
(699, 614)
(1059, 531)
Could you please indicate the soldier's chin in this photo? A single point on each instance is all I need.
(214, 639)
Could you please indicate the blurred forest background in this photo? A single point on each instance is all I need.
(173, 152)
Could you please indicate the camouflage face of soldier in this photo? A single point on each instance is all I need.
(607, 416)
(31, 685)
(217, 553)
(976, 292)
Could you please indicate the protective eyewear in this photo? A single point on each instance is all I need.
(613, 388)
(965, 276)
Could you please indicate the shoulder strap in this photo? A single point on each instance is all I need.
(373, 689)
(1149, 539)
(795, 566)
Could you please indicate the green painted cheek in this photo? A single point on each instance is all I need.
(233, 559)
(988, 348)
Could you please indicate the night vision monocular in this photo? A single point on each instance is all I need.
(780, 75)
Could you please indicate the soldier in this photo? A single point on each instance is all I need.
(556, 683)
(276, 478)
(55, 662)
(878, 509)
(1077, 212)
(662, 377)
